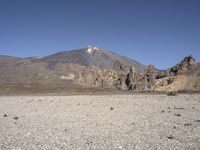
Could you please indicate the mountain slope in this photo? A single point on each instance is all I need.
(185, 76)
(62, 69)
(91, 56)
(93, 68)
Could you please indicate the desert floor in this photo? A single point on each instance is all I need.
(100, 122)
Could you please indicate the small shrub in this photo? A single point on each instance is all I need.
(172, 93)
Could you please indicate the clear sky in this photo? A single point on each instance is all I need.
(159, 32)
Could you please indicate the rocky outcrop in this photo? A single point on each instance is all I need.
(181, 77)
(132, 79)
(151, 79)
(143, 81)
(186, 64)
(151, 76)
(178, 83)
(101, 78)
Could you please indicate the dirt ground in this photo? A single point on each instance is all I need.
(139, 121)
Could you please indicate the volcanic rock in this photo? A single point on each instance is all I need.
(186, 64)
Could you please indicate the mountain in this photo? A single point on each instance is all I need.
(91, 56)
(93, 68)
(60, 70)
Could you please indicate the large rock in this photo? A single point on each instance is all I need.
(151, 75)
(94, 77)
(143, 81)
(132, 79)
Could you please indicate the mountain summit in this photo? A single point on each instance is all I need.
(92, 56)
(91, 49)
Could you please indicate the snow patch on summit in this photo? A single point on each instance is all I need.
(91, 49)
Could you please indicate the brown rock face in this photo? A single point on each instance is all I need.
(132, 79)
(102, 78)
(186, 64)
(118, 66)
(182, 77)
(93, 67)
(141, 82)
(151, 75)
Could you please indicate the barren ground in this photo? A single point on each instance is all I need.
(100, 122)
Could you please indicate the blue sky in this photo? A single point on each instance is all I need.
(159, 32)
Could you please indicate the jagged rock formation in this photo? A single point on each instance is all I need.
(132, 79)
(143, 81)
(151, 75)
(186, 64)
(95, 68)
(182, 77)
(102, 78)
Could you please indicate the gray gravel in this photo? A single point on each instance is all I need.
(100, 122)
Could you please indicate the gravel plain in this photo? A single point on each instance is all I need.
(100, 122)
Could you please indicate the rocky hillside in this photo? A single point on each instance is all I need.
(66, 69)
(95, 68)
(91, 56)
(185, 76)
